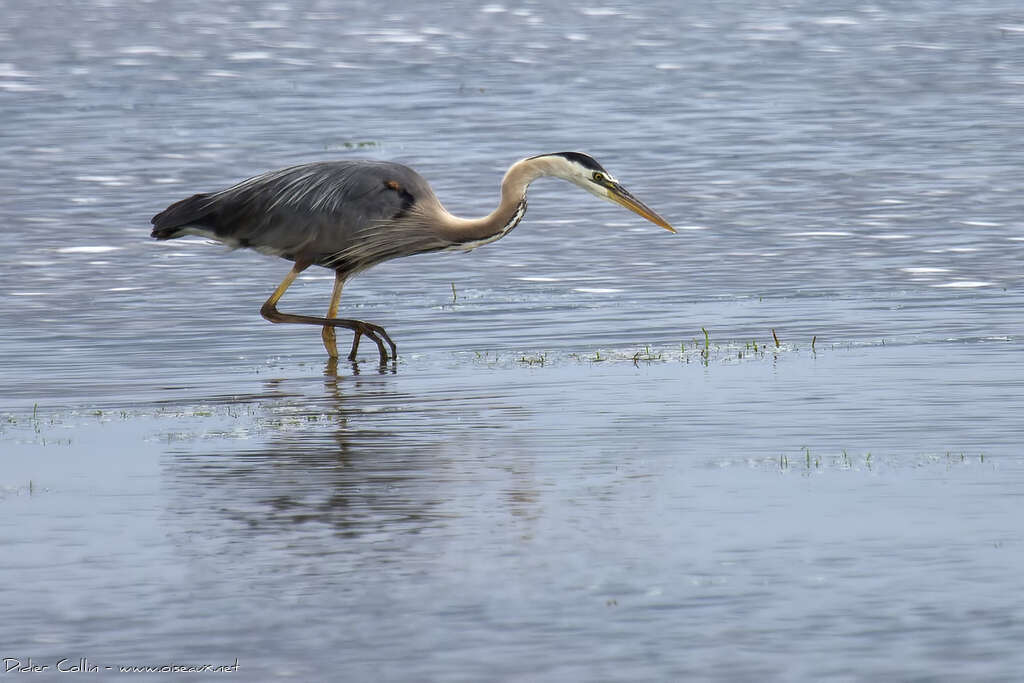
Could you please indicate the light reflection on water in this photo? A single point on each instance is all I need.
(553, 482)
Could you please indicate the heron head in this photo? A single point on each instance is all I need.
(584, 171)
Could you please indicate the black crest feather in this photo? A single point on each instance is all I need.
(584, 160)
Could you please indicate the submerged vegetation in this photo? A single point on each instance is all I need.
(51, 427)
(57, 426)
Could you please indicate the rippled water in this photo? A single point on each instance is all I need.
(562, 478)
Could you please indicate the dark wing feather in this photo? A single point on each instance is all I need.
(309, 212)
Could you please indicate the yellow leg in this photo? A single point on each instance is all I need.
(359, 327)
(269, 309)
(330, 342)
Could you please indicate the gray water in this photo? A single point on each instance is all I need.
(562, 477)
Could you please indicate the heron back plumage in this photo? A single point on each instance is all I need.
(330, 213)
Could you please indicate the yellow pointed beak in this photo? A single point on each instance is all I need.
(620, 195)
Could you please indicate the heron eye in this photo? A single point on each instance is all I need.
(598, 177)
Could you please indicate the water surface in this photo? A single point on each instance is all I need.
(561, 478)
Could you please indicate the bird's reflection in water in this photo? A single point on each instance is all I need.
(354, 366)
(358, 458)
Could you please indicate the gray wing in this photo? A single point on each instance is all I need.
(311, 212)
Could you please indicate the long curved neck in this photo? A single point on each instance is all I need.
(472, 232)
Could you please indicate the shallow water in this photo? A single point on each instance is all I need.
(561, 478)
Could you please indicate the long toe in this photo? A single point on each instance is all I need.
(355, 344)
(381, 332)
(394, 349)
(372, 334)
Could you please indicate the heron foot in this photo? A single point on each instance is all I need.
(375, 333)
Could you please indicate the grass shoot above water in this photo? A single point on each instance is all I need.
(808, 462)
(703, 350)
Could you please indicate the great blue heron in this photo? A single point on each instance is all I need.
(351, 215)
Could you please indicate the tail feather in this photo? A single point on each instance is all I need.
(170, 222)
